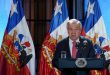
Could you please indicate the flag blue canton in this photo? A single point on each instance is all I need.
(16, 15)
(60, 16)
(94, 13)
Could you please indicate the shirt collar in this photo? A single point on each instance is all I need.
(72, 40)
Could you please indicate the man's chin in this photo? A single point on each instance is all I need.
(73, 39)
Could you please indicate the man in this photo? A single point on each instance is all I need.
(75, 46)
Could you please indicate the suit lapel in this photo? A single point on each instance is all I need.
(82, 52)
(68, 48)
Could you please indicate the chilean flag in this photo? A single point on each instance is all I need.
(18, 55)
(95, 29)
(56, 33)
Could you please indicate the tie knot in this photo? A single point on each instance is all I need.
(74, 43)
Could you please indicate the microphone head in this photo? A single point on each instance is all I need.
(85, 42)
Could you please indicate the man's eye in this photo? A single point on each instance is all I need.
(70, 29)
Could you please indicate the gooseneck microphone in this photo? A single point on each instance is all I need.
(77, 45)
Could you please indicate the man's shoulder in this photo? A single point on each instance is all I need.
(83, 38)
(64, 40)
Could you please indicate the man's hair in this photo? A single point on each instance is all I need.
(74, 21)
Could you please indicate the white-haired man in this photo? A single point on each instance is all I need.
(75, 46)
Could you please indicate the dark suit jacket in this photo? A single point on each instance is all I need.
(85, 50)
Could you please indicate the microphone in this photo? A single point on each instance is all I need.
(83, 45)
(77, 45)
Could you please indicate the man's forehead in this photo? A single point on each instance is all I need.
(77, 27)
(74, 25)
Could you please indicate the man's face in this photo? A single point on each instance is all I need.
(74, 31)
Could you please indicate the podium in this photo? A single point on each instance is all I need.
(81, 63)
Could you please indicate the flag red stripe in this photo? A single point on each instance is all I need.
(10, 69)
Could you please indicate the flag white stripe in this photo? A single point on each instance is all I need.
(22, 28)
(100, 29)
(61, 30)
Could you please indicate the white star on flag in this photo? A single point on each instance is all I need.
(14, 8)
(58, 8)
(90, 9)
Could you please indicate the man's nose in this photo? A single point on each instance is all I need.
(73, 33)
